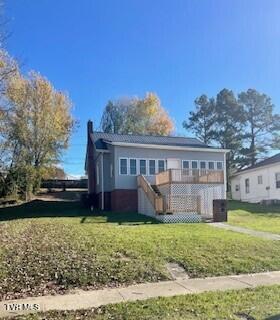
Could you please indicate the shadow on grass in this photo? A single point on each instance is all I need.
(255, 208)
(276, 317)
(56, 209)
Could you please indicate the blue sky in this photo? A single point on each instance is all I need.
(98, 50)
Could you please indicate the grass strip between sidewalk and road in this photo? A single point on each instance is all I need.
(250, 304)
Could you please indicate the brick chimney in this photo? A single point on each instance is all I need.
(89, 127)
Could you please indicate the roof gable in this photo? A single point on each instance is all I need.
(272, 160)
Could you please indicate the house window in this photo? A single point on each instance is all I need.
(123, 166)
(247, 185)
(260, 180)
(194, 165)
(211, 165)
(143, 169)
(161, 165)
(186, 164)
(97, 173)
(152, 167)
(219, 165)
(237, 187)
(132, 167)
(277, 178)
(202, 165)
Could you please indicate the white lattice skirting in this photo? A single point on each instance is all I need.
(179, 218)
(206, 192)
(145, 207)
(183, 202)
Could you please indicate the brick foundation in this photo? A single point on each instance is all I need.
(124, 200)
(121, 200)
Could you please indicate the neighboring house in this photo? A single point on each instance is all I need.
(154, 175)
(259, 182)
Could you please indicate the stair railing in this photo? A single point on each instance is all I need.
(156, 200)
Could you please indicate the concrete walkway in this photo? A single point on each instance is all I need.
(259, 234)
(95, 298)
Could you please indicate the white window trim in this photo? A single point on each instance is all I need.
(222, 162)
(146, 174)
(129, 173)
(157, 166)
(182, 165)
(138, 166)
(206, 163)
(127, 161)
(150, 174)
(260, 181)
(214, 164)
(197, 161)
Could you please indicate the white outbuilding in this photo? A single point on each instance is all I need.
(258, 183)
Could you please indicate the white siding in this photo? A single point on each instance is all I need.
(258, 192)
(130, 182)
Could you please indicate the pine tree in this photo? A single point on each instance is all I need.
(262, 125)
(201, 121)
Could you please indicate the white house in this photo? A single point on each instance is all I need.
(259, 182)
(174, 179)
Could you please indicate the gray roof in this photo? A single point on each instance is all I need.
(268, 161)
(100, 139)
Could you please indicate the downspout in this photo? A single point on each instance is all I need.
(102, 182)
(225, 176)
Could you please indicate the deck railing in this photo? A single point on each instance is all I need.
(170, 203)
(194, 176)
(156, 200)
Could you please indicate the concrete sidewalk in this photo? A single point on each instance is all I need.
(95, 298)
(254, 233)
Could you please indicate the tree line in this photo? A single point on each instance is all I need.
(35, 127)
(246, 124)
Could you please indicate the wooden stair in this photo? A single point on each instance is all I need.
(156, 189)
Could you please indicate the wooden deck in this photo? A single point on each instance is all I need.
(190, 176)
(173, 193)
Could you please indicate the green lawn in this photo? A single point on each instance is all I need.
(255, 216)
(261, 303)
(49, 247)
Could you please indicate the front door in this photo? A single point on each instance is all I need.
(173, 164)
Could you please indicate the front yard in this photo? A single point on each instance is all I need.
(50, 247)
(255, 216)
(256, 304)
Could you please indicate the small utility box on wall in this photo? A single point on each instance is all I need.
(219, 210)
